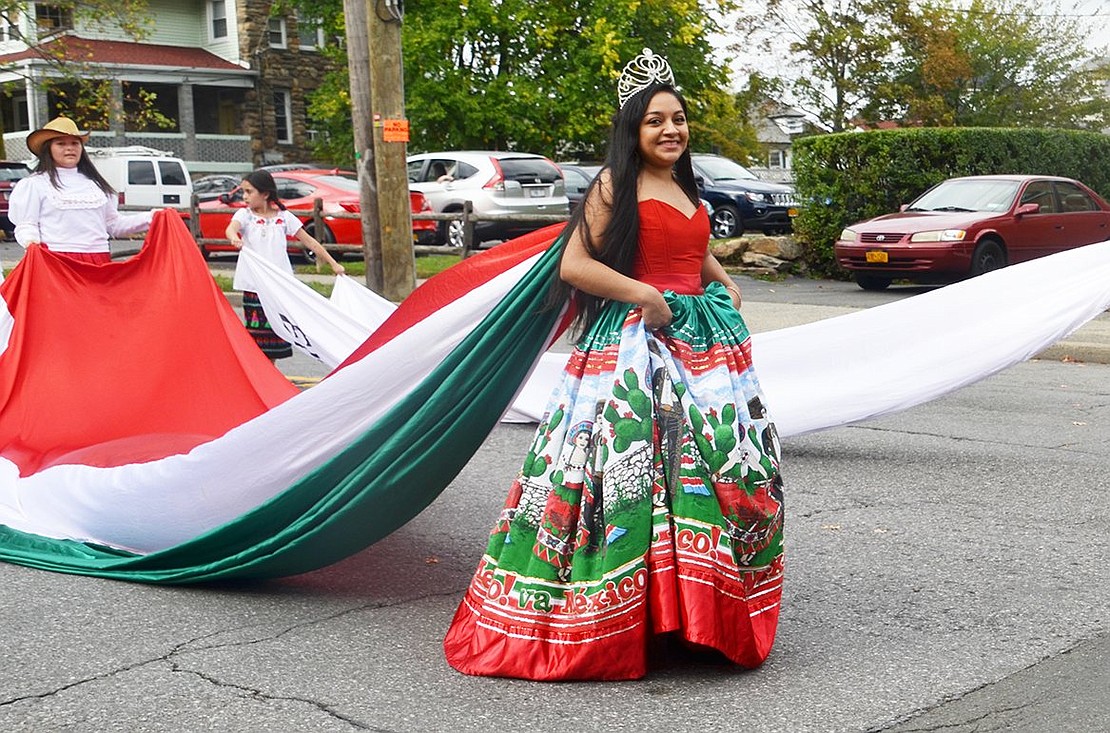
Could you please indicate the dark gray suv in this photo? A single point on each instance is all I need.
(741, 201)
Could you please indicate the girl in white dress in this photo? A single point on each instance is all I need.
(264, 226)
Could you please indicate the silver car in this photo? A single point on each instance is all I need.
(498, 183)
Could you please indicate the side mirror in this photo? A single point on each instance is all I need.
(225, 198)
(903, 207)
(1028, 209)
(700, 181)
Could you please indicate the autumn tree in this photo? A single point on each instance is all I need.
(989, 63)
(994, 63)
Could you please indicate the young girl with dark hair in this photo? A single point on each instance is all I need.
(666, 522)
(264, 226)
(66, 205)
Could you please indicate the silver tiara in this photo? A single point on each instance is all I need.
(640, 73)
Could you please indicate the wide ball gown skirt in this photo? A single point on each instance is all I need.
(649, 502)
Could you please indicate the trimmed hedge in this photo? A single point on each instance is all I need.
(849, 176)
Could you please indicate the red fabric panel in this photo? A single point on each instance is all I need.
(115, 363)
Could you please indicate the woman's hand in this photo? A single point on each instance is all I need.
(734, 293)
(656, 312)
(337, 268)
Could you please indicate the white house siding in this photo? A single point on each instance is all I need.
(184, 24)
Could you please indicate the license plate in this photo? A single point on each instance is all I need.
(537, 192)
(876, 255)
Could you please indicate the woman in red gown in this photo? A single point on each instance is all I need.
(650, 500)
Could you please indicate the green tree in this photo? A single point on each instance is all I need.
(994, 63)
(541, 77)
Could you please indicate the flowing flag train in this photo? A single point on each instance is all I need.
(144, 438)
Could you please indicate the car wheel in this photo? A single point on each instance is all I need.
(872, 282)
(726, 222)
(988, 255)
(456, 237)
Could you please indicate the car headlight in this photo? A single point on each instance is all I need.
(847, 236)
(946, 235)
(754, 197)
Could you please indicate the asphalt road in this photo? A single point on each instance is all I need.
(947, 571)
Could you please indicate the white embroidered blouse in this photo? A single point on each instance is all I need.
(74, 217)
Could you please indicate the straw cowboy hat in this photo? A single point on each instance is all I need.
(57, 127)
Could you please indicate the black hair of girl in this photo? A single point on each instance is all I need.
(264, 183)
(616, 247)
(84, 165)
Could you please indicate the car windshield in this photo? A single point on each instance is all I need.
(723, 169)
(340, 181)
(988, 194)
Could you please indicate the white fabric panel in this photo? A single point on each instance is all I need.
(331, 329)
(360, 303)
(300, 315)
(884, 359)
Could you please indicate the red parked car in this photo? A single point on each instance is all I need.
(297, 189)
(964, 227)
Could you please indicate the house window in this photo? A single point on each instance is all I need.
(14, 112)
(283, 115)
(777, 159)
(310, 33)
(9, 27)
(276, 32)
(217, 9)
(51, 18)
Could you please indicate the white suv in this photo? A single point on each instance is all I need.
(496, 182)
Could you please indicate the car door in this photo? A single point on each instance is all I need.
(1035, 235)
(1083, 220)
(433, 177)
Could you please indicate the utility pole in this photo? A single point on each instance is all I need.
(358, 62)
(391, 132)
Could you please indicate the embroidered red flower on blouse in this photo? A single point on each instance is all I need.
(261, 220)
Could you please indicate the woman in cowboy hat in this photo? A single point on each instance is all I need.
(66, 205)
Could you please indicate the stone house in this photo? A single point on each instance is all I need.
(233, 79)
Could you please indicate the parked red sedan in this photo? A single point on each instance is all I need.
(298, 189)
(964, 227)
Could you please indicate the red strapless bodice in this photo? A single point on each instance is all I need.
(672, 247)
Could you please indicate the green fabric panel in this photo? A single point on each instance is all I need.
(376, 485)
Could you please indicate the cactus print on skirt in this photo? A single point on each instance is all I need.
(649, 502)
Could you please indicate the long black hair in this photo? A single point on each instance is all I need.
(263, 182)
(84, 165)
(616, 246)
